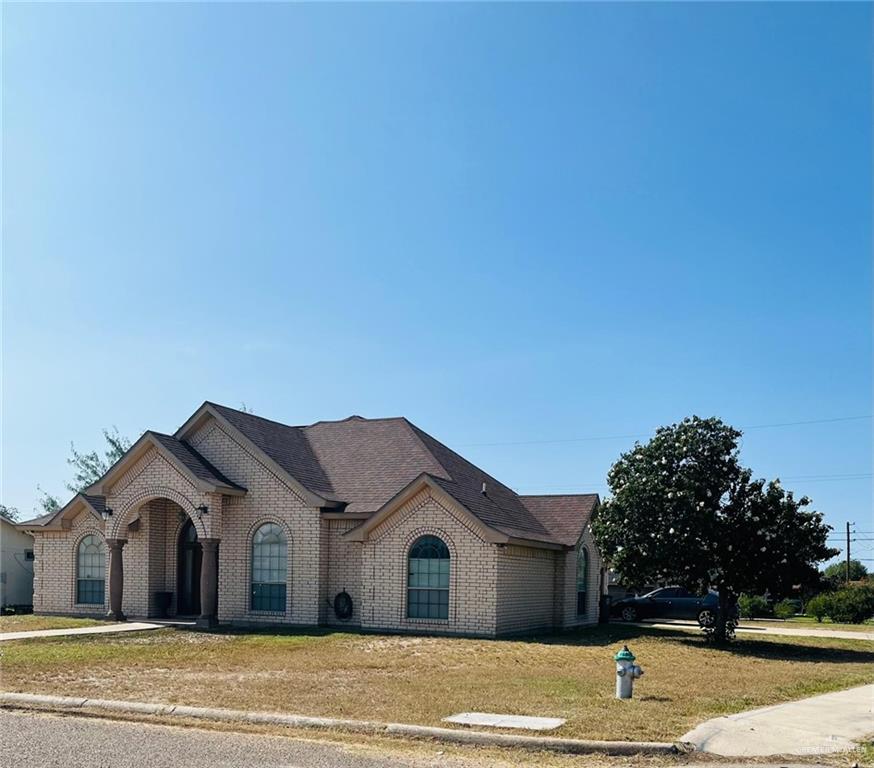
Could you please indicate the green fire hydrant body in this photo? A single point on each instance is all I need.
(626, 673)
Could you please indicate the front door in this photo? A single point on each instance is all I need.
(188, 575)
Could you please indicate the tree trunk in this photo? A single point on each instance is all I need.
(724, 614)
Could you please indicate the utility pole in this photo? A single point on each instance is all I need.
(848, 552)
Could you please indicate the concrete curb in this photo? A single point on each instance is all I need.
(450, 735)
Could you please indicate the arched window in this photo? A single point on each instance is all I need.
(582, 580)
(269, 568)
(90, 570)
(428, 579)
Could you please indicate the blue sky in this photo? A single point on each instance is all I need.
(510, 223)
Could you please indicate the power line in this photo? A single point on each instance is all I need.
(648, 434)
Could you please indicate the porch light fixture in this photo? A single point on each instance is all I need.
(106, 514)
(202, 510)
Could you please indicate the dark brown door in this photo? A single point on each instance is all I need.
(188, 575)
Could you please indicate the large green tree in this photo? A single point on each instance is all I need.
(836, 573)
(683, 510)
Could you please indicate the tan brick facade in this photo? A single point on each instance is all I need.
(495, 589)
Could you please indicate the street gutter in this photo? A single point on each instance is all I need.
(446, 735)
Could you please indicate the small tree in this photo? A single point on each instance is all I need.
(88, 468)
(752, 606)
(819, 607)
(785, 609)
(852, 605)
(10, 513)
(684, 511)
(836, 573)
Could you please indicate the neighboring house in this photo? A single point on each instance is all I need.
(16, 565)
(364, 522)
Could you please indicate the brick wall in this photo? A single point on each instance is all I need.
(472, 579)
(344, 573)
(54, 568)
(570, 617)
(268, 499)
(526, 588)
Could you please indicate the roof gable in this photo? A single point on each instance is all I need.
(181, 455)
(565, 516)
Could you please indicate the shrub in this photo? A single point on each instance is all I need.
(819, 607)
(785, 609)
(752, 606)
(852, 605)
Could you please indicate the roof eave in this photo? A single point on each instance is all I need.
(138, 449)
(420, 483)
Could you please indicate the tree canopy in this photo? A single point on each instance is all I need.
(836, 573)
(684, 511)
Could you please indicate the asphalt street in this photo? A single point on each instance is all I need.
(40, 740)
(45, 741)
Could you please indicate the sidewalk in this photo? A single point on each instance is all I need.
(833, 722)
(840, 634)
(99, 629)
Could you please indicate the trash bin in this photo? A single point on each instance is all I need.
(604, 609)
(162, 604)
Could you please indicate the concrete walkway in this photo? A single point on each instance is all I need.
(97, 629)
(833, 722)
(840, 634)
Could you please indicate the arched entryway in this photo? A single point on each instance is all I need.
(189, 558)
(174, 562)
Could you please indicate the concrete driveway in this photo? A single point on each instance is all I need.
(839, 634)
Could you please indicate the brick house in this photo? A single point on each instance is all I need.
(368, 523)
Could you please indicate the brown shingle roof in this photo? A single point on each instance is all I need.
(192, 460)
(564, 516)
(365, 462)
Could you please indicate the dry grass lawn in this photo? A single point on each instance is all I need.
(27, 622)
(421, 680)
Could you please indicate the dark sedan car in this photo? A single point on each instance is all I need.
(668, 603)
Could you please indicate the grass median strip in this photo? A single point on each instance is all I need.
(421, 680)
(479, 738)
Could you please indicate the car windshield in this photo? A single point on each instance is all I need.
(657, 592)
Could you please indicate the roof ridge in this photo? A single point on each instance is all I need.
(554, 495)
(414, 431)
(255, 416)
(477, 467)
(354, 416)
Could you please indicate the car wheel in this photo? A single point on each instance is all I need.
(706, 618)
(629, 614)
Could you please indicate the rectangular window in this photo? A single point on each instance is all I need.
(428, 593)
(89, 591)
(581, 603)
(28, 554)
(268, 597)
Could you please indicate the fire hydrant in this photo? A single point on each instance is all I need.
(626, 673)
